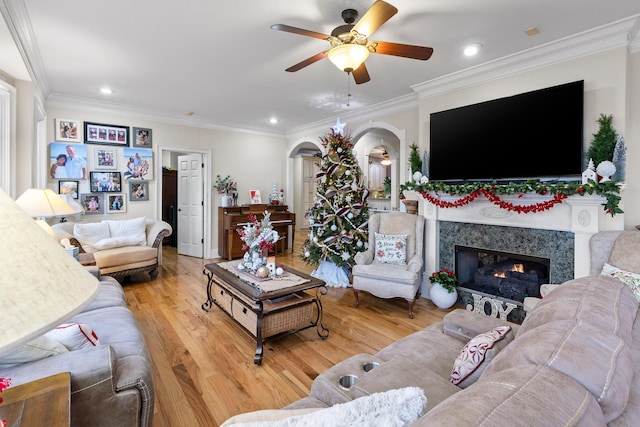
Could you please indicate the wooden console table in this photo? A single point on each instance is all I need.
(265, 314)
(44, 402)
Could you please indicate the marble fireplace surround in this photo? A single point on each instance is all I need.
(561, 233)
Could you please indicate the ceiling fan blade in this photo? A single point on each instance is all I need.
(399, 49)
(300, 31)
(379, 13)
(361, 75)
(300, 65)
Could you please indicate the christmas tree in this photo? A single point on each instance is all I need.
(339, 216)
(604, 141)
(274, 196)
(620, 159)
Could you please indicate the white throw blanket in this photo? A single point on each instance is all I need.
(393, 408)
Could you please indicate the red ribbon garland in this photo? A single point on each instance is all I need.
(495, 199)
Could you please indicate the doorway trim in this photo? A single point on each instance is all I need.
(206, 176)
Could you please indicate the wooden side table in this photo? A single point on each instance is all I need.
(87, 258)
(38, 403)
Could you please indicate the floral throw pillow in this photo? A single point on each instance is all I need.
(632, 280)
(390, 249)
(476, 355)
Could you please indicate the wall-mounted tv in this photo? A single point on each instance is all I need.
(533, 135)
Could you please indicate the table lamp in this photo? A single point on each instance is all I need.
(41, 203)
(40, 284)
(77, 207)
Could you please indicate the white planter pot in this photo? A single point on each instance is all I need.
(225, 201)
(441, 297)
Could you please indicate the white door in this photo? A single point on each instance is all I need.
(309, 181)
(190, 206)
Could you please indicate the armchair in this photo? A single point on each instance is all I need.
(391, 278)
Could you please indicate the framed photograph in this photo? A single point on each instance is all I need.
(97, 133)
(67, 130)
(138, 163)
(255, 197)
(67, 161)
(68, 187)
(138, 191)
(115, 203)
(105, 158)
(105, 182)
(92, 203)
(141, 138)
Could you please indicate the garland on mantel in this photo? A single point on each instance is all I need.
(492, 191)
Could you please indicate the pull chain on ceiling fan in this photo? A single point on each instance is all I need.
(350, 45)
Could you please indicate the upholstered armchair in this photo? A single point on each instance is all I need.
(391, 267)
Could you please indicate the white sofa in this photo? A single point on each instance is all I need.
(120, 247)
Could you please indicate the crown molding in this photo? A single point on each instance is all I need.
(104, 107)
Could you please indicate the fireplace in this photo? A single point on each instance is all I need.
(560, 235)
(508, 276)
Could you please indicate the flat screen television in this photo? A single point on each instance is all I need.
(533, 135)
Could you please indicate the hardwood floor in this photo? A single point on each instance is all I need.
(203, 362)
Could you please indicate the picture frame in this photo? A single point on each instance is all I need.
(105, 182)
(137, 163)
(105, 158)
(60, 165)
(115, 203)
(138, 190)
(141, 138)
(99, 133)
(67, 130)
(68, 187)
(92, 203)
(255, 197)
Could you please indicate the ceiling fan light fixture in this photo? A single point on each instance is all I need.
(348, 57)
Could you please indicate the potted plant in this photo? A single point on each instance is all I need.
(443, 291)
(387, 186)
(225, 186)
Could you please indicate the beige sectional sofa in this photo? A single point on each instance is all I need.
(574, 361)
(120, 247)
(111, 382)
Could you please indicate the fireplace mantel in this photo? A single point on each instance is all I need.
(581, 215)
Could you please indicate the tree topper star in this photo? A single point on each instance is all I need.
(338, 128)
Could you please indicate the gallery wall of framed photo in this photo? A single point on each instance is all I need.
(105, 167)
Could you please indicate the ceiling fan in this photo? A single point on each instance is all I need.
(350, 45)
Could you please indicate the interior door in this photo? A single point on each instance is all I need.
(309, 182)
(190, 206)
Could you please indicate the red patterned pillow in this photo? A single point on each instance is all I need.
(477, 354)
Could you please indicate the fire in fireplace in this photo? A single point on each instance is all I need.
(505, 275)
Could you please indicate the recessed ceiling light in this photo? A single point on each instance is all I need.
(106, 91)
(532, 31)
(273, 120)
(472, 49)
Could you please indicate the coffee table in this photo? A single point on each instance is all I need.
(266, 309)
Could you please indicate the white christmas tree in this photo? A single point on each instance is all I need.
(620, 159)
(274, 196)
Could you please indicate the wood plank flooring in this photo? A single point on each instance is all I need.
(203, 362)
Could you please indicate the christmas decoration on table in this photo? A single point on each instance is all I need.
(606, 170)
(276, 197)
(258, 239)
(493, 191)
(339, 215)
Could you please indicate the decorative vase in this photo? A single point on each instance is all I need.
(225, 200)
(441, 297)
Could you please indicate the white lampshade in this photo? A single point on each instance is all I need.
(43, 202)
(77, 207)
(348, 57)
(41, 285)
